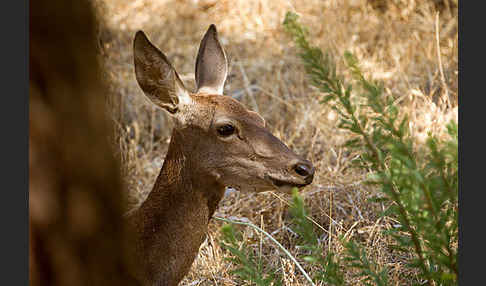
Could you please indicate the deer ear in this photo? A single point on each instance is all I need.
(156, 76)
(211, 64)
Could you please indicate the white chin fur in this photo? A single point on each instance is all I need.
(283, 189)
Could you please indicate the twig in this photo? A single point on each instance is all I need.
(247, 87)
(308, 217)
(441, 69)
(275, 241)
(330, 221)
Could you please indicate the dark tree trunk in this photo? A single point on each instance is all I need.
(75, 193)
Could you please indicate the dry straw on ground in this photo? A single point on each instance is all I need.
(410, 45)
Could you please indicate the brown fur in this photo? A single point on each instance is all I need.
(172, 222)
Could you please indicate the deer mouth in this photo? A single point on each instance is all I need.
(281, 183)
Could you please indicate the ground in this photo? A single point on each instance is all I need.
(397, 42)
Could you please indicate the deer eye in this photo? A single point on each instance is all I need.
(226, 130)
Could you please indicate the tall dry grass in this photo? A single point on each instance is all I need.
(410, 45)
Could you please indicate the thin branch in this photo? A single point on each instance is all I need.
(275, 241)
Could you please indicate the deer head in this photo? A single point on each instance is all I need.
(227, 142)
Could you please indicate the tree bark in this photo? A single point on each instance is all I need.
(75, 189)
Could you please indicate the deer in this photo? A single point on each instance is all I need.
(216, 143)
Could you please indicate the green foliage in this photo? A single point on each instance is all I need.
(420, 187)
(356, 257)
(418, 184)
(304, 228)
(250, 268)
(330, 269)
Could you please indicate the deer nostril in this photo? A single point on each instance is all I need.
(305, 170)
(302, 170)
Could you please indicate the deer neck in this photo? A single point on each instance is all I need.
(172, 222)
(183, 179)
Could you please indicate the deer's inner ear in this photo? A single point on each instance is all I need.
(156, 76)
(211, 64)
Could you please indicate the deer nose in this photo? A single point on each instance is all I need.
(305, 170)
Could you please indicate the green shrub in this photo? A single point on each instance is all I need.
(419, 184)
(249, 268)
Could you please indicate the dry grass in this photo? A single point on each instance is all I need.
(396, 43)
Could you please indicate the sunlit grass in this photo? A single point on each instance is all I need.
(397, 45)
